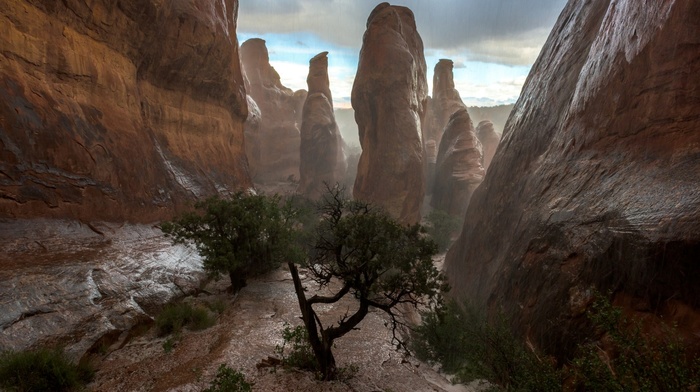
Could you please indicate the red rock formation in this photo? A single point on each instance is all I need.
(458, 171)
(445, 99)
(595, 183)
(389, 97)
(251, 131)
(279, 107)
(322, 157)
(489, 140)
(118, 110)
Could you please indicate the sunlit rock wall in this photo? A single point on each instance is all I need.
(595, 184)
(118, 110)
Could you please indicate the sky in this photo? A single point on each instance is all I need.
(493, 43)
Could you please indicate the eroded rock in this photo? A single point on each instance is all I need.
(322, 157)
(458, 171)
(118, 111)
(489, 139)
(279, 106)
(595, 184)
(389, 97)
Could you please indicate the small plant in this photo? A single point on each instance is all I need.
(42, 370)
(295, 350)
(169, 343)
(178, 315)
(228, 380)
(441, 226)
(217, 306)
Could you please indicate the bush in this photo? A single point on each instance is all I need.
(441, 226)
(42, 370)
(641, 363)
(298, 353)
(178, 315)
(467, 345)
(228, 380)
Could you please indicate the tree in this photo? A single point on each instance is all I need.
(240, 236)
(381, 263)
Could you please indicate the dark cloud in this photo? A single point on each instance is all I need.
(507, 31)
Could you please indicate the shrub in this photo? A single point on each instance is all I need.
(295, 350)
(178, 315)
(42, 370)
(441, 226)
(640, 364)
(228, 380)
(467, 345)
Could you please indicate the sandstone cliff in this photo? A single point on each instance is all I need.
(389, 97)
(118, 110)
(280, 110)
(321, 158)
(459, 170)
(489, 140)
(595, 183)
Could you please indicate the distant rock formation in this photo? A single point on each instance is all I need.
(445, 99)
(280, 115)
(118, 110)
(595, 184)
(458, 171)
(489, 140)
(389, 97)
(322, 157)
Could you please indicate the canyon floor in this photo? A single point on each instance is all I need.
(248, 331)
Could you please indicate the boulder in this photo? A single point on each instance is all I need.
(595, 184)
(279, 106)
(118, 110)
(389, 96)
(322, 159)
(458, 171)
(489, 139)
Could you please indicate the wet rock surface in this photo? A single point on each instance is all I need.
(280, 111)
(68, 284)
(445, 99)
(595, 183)
(322, 159)
(458, 171)
(118, 111)
(389, 97)
(247, 332)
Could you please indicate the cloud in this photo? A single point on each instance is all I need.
(506, 31)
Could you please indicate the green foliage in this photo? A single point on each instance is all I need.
(462, 340)
(441, 226)
(175, 316)
(217, 306)
(169, 343)
(229, 380)
(640, 364)
(295, 350)
(469, 346)
(241, 236)
(41, 370)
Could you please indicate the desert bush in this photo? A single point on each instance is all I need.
(295, 350)
(42, 370)
(228, 380)
(176, 316)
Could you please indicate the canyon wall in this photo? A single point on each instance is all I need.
(118, 110)
(595, 183)
(389, 97)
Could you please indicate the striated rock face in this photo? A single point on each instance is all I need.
(118, 110)
(596, 181)
(251, 131)
(280, 114)
(63, 283)
(458, 171)
(489, 140)
(389, 96)
(322, 158)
